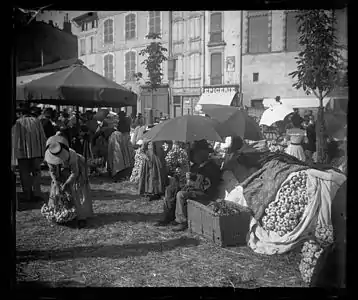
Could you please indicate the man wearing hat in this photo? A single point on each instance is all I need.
(202, 185)
(68, 172)
(29, 142)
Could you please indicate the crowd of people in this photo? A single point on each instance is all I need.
(171, 170)
(159, 169)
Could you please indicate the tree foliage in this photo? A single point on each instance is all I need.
(155, 56)
(320, 63)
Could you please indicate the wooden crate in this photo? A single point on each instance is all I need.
(222, 230)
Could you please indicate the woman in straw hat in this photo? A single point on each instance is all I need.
(68, 173)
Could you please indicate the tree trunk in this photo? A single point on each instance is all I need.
(320, 133)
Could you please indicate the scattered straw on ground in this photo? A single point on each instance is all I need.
(122, 248)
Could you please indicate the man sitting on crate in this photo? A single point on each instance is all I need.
(202, 185)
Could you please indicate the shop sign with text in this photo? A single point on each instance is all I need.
(220, 89)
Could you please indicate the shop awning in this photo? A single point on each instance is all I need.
(302, 102)
(217, 98)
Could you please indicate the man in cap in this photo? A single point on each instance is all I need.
(202, 185)
(29, 143)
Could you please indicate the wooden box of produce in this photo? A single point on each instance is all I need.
(223, 230)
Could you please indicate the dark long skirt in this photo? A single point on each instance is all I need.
(153, 176)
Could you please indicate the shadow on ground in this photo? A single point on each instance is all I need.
(101, 194)
(102, 219)
(24, 205)
(111, 251)
(47, 284)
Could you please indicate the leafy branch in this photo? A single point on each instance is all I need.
(155, 56)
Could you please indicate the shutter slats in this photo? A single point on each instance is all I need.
(258, 34)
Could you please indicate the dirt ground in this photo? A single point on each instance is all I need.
(122, 248)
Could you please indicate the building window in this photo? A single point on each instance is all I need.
(194, 70)
(216, 76)
(130, 26)
(108, 31)
(292, 36)
(92, 44)
(178, 31)
(82, 47)
(154, 22)
(216, 27)
(258, 34)
(130, 65)
(109, 66)
(83, 27)
(255, 77)
(94, 23)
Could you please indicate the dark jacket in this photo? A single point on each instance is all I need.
(48, 127)
(211, 171)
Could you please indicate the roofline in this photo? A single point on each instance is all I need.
(52, 26)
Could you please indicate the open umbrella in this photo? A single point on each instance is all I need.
(186, 128)
(77, 85)
(234, 122)
(275, 113)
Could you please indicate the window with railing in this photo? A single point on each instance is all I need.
(130, 26)
(216, 74)
(292, 36)
(108, 31)
(216, 30)
(154, 22)
(130, 65)
(109, 66)
(258, 34)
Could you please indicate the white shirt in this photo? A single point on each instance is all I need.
(223, 146)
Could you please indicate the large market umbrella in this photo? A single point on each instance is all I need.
(77, 85)
(186, 128)
(275, 113)
(234, 121)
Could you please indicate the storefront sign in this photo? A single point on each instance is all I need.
(220, 89)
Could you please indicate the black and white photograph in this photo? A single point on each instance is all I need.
(176, 148)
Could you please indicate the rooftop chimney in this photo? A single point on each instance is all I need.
(67, 25)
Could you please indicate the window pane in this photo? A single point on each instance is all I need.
(215, 37)
(258, 34)
(181, 25)
(215, 22)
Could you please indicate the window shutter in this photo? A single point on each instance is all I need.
(216, 68)
(180, 33)
(258, 34)
(175, 31)
(292, 37)
(197, 65)
(171, 69)
(197, 27)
